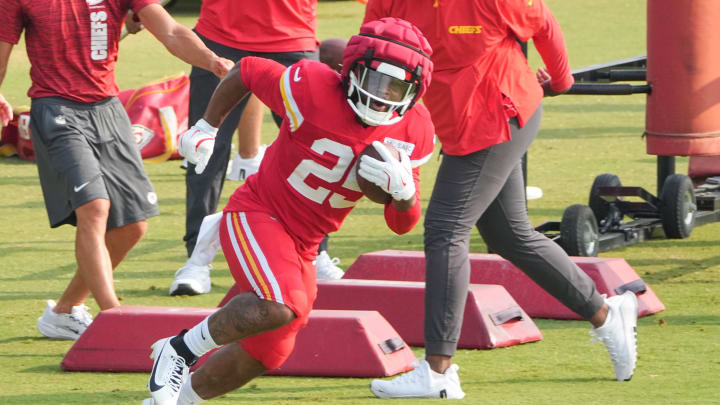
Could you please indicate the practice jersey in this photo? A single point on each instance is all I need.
(307, 177)
(260, 26)
(481, 77)
(72, 44)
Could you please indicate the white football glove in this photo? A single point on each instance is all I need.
(393, 176)
(197, 144)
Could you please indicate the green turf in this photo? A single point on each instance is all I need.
(581, 137)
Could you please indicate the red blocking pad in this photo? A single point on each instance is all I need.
(491, 319)
(334, 343)
(612, 276)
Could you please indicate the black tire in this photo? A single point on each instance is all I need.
(599, 206)
(579, 231)
(678, 206)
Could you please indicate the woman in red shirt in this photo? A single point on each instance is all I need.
(485, 102)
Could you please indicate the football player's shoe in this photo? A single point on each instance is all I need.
(386, 69)
(168, 374)
(326, 268)
(619, 334)
(422, 382)
(240, 169)
(191, 279)
(64, 326)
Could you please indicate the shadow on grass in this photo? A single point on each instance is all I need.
(589, 132)
(682, 267)
(80, 397)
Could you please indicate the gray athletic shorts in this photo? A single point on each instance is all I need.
(85, 152)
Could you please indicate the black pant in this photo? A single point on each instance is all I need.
(203, 190)
(486, 189)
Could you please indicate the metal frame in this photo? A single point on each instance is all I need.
(646, 217)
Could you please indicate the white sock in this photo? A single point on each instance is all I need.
(198, 338)
(188, 396)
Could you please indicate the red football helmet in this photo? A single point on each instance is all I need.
(386, 69)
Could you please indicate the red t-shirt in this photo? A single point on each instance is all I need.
(481, 76)
(72, 44)
(307, 177)
(263, 26)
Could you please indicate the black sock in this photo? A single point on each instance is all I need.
(178, 343)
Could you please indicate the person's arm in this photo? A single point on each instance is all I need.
(181, 41)
(550, 44)
(197, 143)
(6, 112)
(402, 216)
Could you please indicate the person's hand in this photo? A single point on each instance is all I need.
(393, 176)
(544, 78)
(197, 144)
(222, 66)
(132, 23)
(6, 112)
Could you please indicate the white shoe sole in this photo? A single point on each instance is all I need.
(53, 332)
(431, 394)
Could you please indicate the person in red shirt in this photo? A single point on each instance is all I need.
(485, 102)
(305, 187)
(89, 166)
(283, 31)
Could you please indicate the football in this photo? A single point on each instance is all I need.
(368, 188)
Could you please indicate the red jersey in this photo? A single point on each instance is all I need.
(260, 26)
(72, 44)
(307, 177)
(481, 76)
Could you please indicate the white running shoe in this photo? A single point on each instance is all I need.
(64, 326)
(168, 374)
(148, 401)
(191, 279)
(619, 334)
(422, 382)
(240, 169)
(326, 268)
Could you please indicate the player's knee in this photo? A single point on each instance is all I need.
(135, 231)
(93, 211)
(253, 314)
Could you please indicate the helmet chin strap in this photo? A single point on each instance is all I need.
(366, 114)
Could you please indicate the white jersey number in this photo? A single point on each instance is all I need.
(307, 167)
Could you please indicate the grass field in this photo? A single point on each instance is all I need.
(581, 137)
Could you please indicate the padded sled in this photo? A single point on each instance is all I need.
(491, 319)
(334, 343)
(612, 276)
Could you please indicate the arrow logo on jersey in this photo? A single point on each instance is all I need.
(297, 77)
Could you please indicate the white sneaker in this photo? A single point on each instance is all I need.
(168, 374)
(64, 326)
(619, 334)
(422, 382)
(148, 401)
(326, 268)
(240, 169)
(191, 279)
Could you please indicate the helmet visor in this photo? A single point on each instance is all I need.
(386, 83)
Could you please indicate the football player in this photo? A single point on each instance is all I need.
(304, 189)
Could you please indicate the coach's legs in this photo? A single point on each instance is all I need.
(98, 252)
(464, 188)
(506, 229)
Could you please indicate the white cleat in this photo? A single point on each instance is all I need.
(191, 279)
(148, 401)
(619, 334)
(64, 326)
(422, 382)
(240, 169)
(168, 374)
(326, 268)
